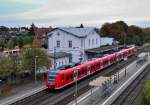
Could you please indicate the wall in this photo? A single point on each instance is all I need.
(60, 62)
(93, 43)
(106, 41)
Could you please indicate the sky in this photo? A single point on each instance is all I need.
(73, 12)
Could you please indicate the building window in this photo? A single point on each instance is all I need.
(92, 41)
(89, 42)
(96, 41)
(70, 44)
(58, 43)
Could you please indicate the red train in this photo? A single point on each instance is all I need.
(61, 78)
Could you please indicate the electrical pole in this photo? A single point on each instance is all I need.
(35, 69)
(54, 58)
(76, 78)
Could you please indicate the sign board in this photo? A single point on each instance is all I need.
(125, 59)
(75, 73)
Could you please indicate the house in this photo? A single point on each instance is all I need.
(41, 35)
(75, 41)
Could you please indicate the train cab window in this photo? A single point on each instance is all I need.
(52, 76)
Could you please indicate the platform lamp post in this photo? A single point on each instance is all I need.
(55, 58)
(76, 87)
(35, 61)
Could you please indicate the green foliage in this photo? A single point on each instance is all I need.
(13, 65)
(20, 41)
(44, 46)
(2, 44)
(10, 65)
(144, 98)
(27, 39)
(11, 43)
(124, 33)
(29, 58)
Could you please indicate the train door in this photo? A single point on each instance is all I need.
(88, 70)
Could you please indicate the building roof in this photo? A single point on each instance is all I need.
(78, 31)
(102, 49)
(59, 55)
(39, 32)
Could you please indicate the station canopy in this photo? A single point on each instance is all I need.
(98, 81)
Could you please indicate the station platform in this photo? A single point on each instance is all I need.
(93, 96)
(22, 92)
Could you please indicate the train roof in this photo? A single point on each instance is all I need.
(91, 62)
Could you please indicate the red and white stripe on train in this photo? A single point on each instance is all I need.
(61, 78)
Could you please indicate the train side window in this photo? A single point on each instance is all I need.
(71, 76)
(105, 62)
(88, 68)
(92, 67)
(62, 77)
(83, 71)
(97, 65)
(79, 72)
(67, 78)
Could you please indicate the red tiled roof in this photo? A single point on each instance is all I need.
(39, 32)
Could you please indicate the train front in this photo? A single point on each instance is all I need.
(51, 79)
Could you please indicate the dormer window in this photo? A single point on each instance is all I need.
(58, 33)
(93, 32)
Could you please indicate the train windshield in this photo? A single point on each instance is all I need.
(52, 76)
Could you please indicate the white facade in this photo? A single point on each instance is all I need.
(106, 41)
(75, 41)
(60, 62)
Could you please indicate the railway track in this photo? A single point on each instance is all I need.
(63, 96)
(129, 96)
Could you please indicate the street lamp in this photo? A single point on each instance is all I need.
(35, 65)
(76, 78)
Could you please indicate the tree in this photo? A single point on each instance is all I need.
(124, 33)
(31, 30)
(11, 43)
(3, 28)
(20, 41)
(26, 39)
(4, 64)
(2, 44)
(36, 43)
(29, 57)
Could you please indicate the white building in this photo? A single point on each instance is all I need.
(75, 41)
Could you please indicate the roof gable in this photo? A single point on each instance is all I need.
(78, 32)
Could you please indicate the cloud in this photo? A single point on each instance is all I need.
(73, 12)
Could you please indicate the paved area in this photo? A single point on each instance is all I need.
(21, 91)
(94, 96)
